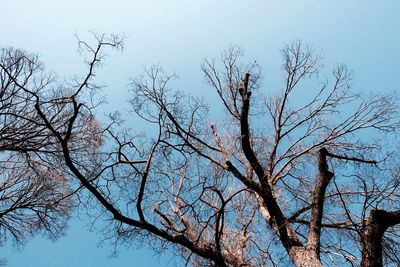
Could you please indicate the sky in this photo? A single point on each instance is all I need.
(363, 34)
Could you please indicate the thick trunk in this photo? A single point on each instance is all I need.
(303, 257)
(372, 246)
(374, 228)
(371, 239)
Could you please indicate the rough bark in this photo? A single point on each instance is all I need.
(304, 257)
(372, 233)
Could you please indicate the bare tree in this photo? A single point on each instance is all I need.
(305, 175)
(35, 187)
(32, 189)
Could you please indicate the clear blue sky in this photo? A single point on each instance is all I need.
(179, 34)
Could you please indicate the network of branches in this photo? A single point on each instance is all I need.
(305, 175)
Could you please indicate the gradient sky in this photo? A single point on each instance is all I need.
(179, 35)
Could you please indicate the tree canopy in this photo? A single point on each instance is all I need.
(307, 175)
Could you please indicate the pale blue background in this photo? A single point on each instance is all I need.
(179, 34)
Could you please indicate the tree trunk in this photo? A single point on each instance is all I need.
(317, 208)
(303, 257)
(372, 233)
(371, 239)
